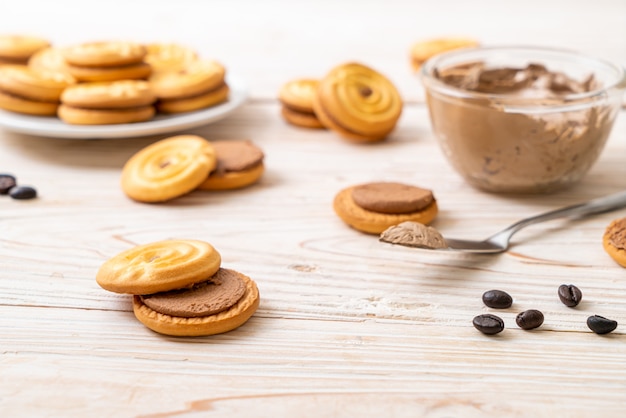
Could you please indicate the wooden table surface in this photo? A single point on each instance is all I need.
(347, 326)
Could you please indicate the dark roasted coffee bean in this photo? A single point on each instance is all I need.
(22, 192)
(7, 181)
(570, 295)
(529, 319)
(488, 324)
(497, 299)
(600, 324)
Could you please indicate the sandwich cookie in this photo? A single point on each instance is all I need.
(17, 49)
(358, 103)
(296, 97)
(168, 168)
(24, 90)
(107, 61)
(374, 207)
(216, 305)
(424, 50)
(239, 164)
(103, 103)
(197, 86)
(614, 241)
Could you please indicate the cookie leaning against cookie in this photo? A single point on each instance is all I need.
(239, 164)
(197, 86)
(103, 103)
(180, 288)
(168, 168)
(358, 103)
(374, 207)
(296, 97)
(24, 90)
(614, 241)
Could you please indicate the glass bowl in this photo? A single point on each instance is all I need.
(511, 131)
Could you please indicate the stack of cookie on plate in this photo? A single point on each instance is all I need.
(353, 100)
(180, 288)
(109, 82)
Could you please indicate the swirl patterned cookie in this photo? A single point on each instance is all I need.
(358, 103)
(168, 168)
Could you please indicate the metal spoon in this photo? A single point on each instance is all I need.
(499, 242)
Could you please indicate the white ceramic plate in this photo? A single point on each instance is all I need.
(54, 128)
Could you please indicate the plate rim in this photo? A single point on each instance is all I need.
(27, 124)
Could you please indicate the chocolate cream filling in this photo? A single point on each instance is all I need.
(414, 234)
(217, 294)
(617, 234)
(235, 156)
(391, 198)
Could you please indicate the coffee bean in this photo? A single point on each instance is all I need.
(600, 324)
(488, 324)
(22, 192)
(7, 181)
(570, 295)
(497, 299)
(529, 319)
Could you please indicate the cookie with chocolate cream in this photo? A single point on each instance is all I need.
(614, 241)
(239, 164)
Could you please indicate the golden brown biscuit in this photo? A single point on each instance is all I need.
(358, 103)
(107, 95)
(105, 103)
(83, 116)
(191, 103)
(422, 210)
(614, 241)
(198, 77)
(50, 60)
(239, 164)
(105, 54)
(168, 168)
(209, 324)
(138, 71)
(296, 97)
(24, 90)
(164, 57)
(423, 50)
(17, 49)
(159, 267)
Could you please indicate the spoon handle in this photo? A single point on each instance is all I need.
(595, 206)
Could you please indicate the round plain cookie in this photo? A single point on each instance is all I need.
(105, 54)
(18, 49)
(107, 95)
(164, 57)
(358, 103)
(375, 222)
(198, 77)
(138, 71)
(83, 116)
(159, 267)
(423, 50)
(239, 164)
(168, 168)
(30, 107)
(22, 81)
(50, 60)
(200, 101)
(614, 241)
(218, 323)
(298, 94)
